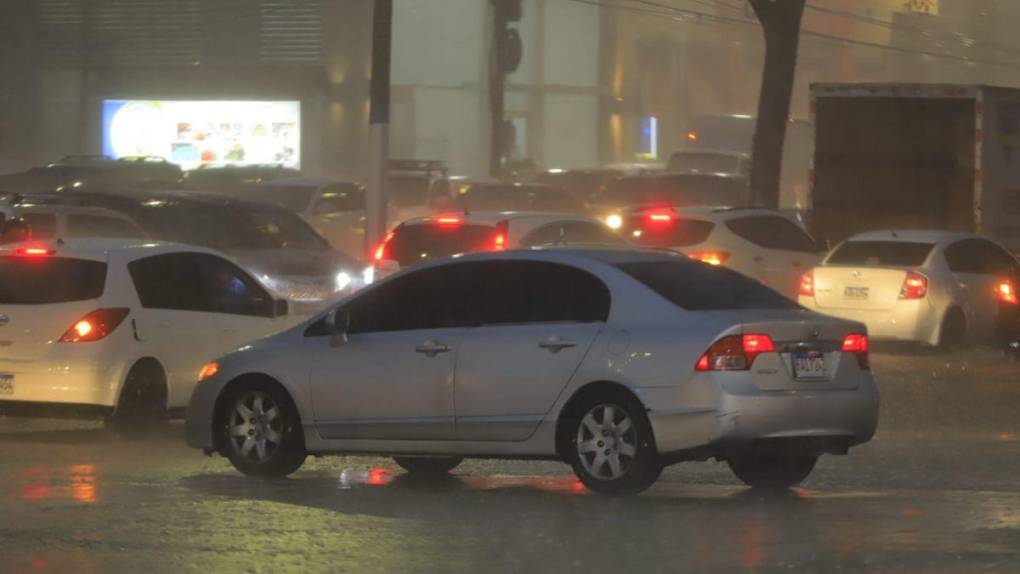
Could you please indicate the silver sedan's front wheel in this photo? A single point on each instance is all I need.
(611, 445)
(262, 431)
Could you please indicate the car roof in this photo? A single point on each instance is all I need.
(596, 253)
(67, 209)
(494, 217)
(309, 182)
(100, 248)
(911, 235)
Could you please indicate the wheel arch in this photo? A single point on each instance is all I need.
(951, 309)
(253, 378)
(562, 434)
(140, 363)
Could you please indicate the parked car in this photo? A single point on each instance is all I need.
(426, 238)
(585, 184)
(272, 243)
(26, 222)
(516, 197)
(616, 362)
(119, 328)
(763, 244)
(234, 179)
(670, 190)
(93, 172)
(937, 288)
(726, 162)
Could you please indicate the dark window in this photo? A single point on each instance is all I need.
(296, 198)
(29, 226)
(679, 232)
(678, 190)
(695, 286)
(407, 191)
(100, 226)
(571, 233)
(773, 232)
(413, 244)
(490, 197)
(198, 282)
(553, 199)
(283, 228)
(425, 299)
(881, 253)
(981, 257)
(42, 280)
(340, 199)
(516, 292)
(198, 223)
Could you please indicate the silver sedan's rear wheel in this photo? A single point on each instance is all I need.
(262, 432)
(611, 446)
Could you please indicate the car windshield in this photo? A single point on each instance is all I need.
(296, 198)
(704, 162)
(696, 286)
(881, 253)
(677, 191)
(284, 228)
(416, 243)
(29, 280)
(209, 225)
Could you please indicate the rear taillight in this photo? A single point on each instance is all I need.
(499, 242)
(448, 220)
(915, 286)
(857, 344)
(34, 251)
(94, 326)
(1006, 292)
(735, 353)
(660, 216)
(807, 284)
(711, 257)
(380, 252)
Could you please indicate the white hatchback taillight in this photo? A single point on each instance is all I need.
(95, 325)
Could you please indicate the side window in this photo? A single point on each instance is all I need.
(100, 226)
(340, 200)
(571, 232)
(170, 281)
(426, 299)
(980, 257)
(517, 292)
(230, 290)
(33, 226)
(1001, 262)
(773, 232)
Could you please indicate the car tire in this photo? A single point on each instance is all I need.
(771, 470)
(610, 443)
(141, 407)
(262, 434)
(428, 466)
(953, 332)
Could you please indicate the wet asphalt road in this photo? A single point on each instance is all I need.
(938, 490)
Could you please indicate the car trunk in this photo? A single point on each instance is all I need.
(31, 330)
(864, 288)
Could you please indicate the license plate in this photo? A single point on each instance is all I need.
(809, 365)
(857, 292)
(6, 384)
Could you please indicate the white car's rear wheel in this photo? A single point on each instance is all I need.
(141, 406)
(611, 446)
(262, 432)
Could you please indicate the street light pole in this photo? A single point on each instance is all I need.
(378, 124)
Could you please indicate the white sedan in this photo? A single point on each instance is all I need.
(616, 362)
(938, 288)
(119, 328)
(763, 244)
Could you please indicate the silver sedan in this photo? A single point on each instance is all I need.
(617, 362)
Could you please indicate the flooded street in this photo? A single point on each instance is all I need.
(938, 490)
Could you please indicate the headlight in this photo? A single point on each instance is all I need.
(614, 221)
(368, 275)
(343, 281)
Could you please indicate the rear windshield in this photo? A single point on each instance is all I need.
(680, 232)
(42, 280)
(407, 191)
(881, 253)
(677, 191)
(696, 286)
(416, 243)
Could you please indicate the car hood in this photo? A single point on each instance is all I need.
(294, 262)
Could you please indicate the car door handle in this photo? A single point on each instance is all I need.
(555, 345)
(432, 348)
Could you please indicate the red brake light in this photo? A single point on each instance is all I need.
(380, 252)
(34, 251)
(807, 284)
(446, 220)
(711, 257)
(499, 242)
(915, 286)
(858, 344)
(94, 326)
(661, 216)
(1006, 292)
(735, 353)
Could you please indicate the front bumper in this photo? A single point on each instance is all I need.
(731, 418)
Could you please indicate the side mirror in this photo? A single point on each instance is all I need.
(281, 308)
(338, 323)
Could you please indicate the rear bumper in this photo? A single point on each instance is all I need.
(62, 381)
(53, 410)
(909, 321)
(825, 420)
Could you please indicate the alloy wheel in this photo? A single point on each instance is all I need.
(606, 442)
(256, 426)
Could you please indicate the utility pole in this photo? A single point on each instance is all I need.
(378, 124)
(504, 57)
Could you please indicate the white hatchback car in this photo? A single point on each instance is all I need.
(763, 244)
(119, 328)
(938, 288)
(617, 362)
(424, 238)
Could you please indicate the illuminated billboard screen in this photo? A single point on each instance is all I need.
(212, 132)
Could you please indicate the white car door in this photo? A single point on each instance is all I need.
(536, 321)
(172, 322)
(393, 376)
